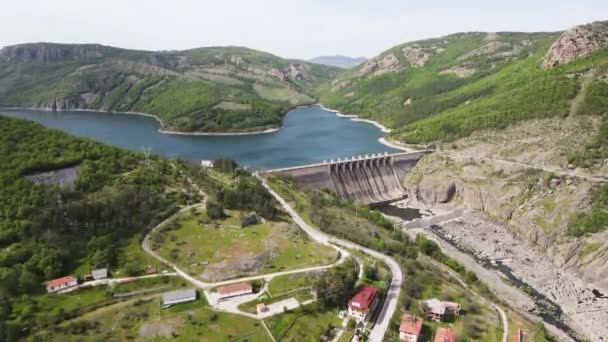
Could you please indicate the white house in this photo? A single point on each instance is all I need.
(363, 303)
(61, 283)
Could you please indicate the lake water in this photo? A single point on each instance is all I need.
(309, 135)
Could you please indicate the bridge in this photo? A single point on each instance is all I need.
(365, 179)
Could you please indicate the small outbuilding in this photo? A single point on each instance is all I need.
(178, 296)
(101, 273)
(261, 308)
(234, 290)
(61, 283)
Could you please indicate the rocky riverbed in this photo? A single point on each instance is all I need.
(560, 297)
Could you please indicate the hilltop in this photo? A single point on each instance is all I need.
(205, 89)
(339, 61)
(446, 88)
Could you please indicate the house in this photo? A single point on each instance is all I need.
(262, 308)
(101, 273)
(363, 303)
(444, 335)
(61, 283)
(178, 296)
(410, 328)
(437, 310)
(233, 290)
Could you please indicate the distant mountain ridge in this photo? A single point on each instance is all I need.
(199, 90)
(339, 61)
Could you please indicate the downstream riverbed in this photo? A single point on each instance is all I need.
(308, 135)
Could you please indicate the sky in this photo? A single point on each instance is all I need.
(288, 28)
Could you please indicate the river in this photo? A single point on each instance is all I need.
(308, 135)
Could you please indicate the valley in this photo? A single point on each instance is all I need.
(232, 205)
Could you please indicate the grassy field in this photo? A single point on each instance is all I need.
(146, 319)
(289, 282)
(302, 325)
(301, 296)
(199, 245)
(296, 286)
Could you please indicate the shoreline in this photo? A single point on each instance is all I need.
(355, 117)
(160, 122)
(161, 129)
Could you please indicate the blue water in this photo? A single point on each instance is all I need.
(309, 135)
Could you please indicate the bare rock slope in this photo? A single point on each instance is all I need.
(579, 41)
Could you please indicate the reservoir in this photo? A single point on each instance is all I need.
(308, 135)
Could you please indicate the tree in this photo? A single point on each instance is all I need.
(370, 272)
(335, 287)
(215, 211)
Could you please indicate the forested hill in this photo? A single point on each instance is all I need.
(53, 225)
(206, 89)
(446, 88)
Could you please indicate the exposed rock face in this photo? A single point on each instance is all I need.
(577, 42)
(380, 65)
(416, 55)
(48, 52)
(534, 204)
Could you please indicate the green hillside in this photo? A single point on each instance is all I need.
(446, 88)
(207, 89)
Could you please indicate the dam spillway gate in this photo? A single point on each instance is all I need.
(370, 179)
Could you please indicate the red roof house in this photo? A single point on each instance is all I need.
(410, 328)
(61, 283)
(234, 290)
(445, 335)
(363, 302)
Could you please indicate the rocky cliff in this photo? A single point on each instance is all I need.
(578, 42)
(50, 53)
(533, 204)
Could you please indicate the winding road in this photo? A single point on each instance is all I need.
(390, 304)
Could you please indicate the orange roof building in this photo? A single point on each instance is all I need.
(233, 290)
(410, 328)
(445, 335)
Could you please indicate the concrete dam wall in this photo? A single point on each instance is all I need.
(366, 179)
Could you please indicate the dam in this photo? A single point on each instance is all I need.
(368, 179)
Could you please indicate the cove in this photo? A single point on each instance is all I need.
(308, 135)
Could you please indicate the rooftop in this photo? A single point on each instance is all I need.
(364, 297)
(100, 273)
(445, 335)
(178, 295)
(233, 288)
(61, 281)
(435, 306)
(410, 325)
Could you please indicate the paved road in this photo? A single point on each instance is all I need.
(390, 304)
(582, 175)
